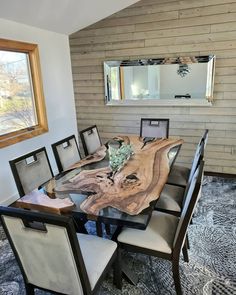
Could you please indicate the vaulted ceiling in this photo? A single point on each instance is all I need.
(61, 16)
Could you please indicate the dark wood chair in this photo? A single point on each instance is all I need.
(31, 170)
(66, 152)
(52, 257)
(165, 234)
(172, 197)
(158, 128)
(179, 175)
(91, 140)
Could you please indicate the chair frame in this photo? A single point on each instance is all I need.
(154, 119)
(15, 172)
(83, 141)
(173, 162)
(55, 152)
(28, 218)
(186, 187)
(181, 238)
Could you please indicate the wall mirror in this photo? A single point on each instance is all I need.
(154, 81)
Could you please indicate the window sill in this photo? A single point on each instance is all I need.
(17, 136)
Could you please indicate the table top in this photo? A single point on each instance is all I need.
(127, 199)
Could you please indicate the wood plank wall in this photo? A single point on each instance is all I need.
(162, 28)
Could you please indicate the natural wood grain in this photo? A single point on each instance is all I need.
(132, 189)
(36, 200)
(99, 155)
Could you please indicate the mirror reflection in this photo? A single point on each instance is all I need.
(155, 79)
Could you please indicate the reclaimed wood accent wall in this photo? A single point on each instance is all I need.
(163, 28)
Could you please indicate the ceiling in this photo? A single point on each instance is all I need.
(61, 16)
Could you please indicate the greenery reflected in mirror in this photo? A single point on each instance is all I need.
(147, 80)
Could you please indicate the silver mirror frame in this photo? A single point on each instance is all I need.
(183, 70)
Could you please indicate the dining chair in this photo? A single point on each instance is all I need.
(90, 139)
(66, 152)
(165, 235)
(158, 128)
(52, 257)
(172, 197)
(179, 175)
(31, 170)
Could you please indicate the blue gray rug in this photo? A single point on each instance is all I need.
(212, 265)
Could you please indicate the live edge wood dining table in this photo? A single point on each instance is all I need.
(126, 199)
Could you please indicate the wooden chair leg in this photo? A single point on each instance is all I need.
(176, 276)
(99, 229)
(108, 228)
(29, 289)
(187, 241)
(80, 225)
(185, 251)
(117, 274)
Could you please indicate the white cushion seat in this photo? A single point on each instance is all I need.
(171, 198)
(179, 175)
(96, 253)
(158, 236)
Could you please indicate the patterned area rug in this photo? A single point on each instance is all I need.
(212, 265)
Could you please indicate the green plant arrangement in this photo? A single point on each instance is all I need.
(118, 157)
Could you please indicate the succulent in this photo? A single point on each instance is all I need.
(118, 157)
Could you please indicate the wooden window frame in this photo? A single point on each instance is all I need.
(37, 88)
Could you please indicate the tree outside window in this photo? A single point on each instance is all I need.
(22, 110)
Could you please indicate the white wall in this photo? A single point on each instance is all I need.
(58, 91)
(194, 83)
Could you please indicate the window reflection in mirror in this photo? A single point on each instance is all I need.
(159, 79)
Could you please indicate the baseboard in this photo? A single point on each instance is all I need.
(10, 200)
(217, 174)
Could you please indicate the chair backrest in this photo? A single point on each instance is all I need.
(196, 160)
(205, 137)
(90, 139)
(66, 152)
(46, 249)
(158, 128)
(172, 154)
(199, 154)
(192, 196)
(31, 170)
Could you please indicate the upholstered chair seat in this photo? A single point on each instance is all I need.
(158, 236)
(179, 175)
(96, 253)
(52, 257)
(171, 198)
(165, 235)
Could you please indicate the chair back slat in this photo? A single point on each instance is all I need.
(31, 170)
(49, 258)
(172, 155)
(158, 128)
(205, 137)
(90, 139)
(66, 152)
(196, 160)
(192, 196)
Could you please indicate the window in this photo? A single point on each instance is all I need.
(22, 108)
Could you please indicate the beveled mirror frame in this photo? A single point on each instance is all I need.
(182, 61)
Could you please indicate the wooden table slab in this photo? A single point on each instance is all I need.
(132, 189)
(36, 200)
